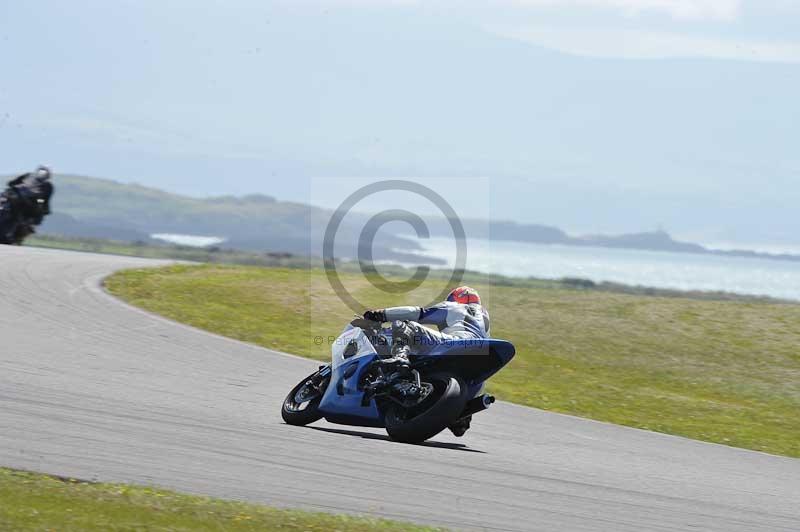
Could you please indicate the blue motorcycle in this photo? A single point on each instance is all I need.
(414, 399)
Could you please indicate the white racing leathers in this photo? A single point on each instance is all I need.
(454, 321)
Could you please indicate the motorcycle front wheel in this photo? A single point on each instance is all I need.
(424, 421)
(301, 406)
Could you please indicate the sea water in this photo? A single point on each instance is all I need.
(660, 269)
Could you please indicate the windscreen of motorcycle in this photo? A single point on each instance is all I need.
(351, 345)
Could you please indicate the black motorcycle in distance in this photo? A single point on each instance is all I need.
(24, 204)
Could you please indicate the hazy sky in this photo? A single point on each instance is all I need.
(595, 115)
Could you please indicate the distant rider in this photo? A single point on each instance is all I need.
(24, 204)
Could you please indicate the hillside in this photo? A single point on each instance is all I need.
(102, 208)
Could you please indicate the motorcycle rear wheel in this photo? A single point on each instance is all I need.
(436, 413)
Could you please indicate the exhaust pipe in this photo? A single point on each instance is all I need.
(478, 404)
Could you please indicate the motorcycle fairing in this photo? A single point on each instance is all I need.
(474, 360)
(351, 354)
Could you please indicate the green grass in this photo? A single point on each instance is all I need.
(168, 251)
(38, 503)
(714, 370)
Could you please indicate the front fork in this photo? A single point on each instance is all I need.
(324, 371)
(319, 378)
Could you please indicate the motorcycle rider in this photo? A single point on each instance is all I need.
(33, 192)
(460, 316)
(24, 204)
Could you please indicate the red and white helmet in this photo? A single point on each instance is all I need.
(464, 295)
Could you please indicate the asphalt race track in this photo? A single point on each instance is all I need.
(94, 389)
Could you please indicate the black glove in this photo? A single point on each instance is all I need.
(375, 315)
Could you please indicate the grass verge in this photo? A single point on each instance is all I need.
(720, 371)
(31, 501)
(214, 255)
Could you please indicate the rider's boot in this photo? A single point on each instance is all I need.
(399, 359)
(400, 345)
(460, 427)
